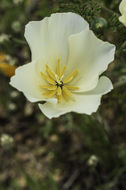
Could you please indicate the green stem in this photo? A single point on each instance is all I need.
(109, 11)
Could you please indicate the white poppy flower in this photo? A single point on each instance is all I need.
(122, 8)
(67, 60)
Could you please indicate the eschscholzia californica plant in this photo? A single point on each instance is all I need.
(67, 61)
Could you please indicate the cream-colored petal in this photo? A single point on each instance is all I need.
(52, 110)
(89, 102)
(84, 102)
(48, 39)
(122, 6)
(27, 81)
(104, 86)
(122, 19)
(91, 56)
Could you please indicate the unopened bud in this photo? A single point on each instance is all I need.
(6, 141)
(14, 94)
(12, 107)
(3, 38)
(93, 160)
(17, 1)
(99, 25)
(16, 26)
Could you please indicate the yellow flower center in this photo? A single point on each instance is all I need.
(58, 85)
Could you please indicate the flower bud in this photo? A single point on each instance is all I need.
(14, 94)
(99, 25)
(92, 161)
(12, 107)
(4, 37)
(6, 141)
(16, 26)
(17, 1)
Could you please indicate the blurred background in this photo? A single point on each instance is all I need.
(72, 152)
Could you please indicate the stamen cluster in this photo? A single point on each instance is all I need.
(58, 86)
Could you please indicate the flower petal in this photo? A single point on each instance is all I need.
(90, 56)
(122, 6)
(84, 102)
(27, 81)
(89, 102)
(122, 19)
(104, 86)
(48, 39)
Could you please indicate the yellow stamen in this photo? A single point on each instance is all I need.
(46, 93)
(70, 77)
(49, 94)
(56, 86)
(59, 94)
(72, 87)
(58, 68)
(50, 73)
(49, 87)
(65, 96)
(59, 91)
(59, 98)
(67, 92)
(48, 79)
(58, 80)
(63, 71)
